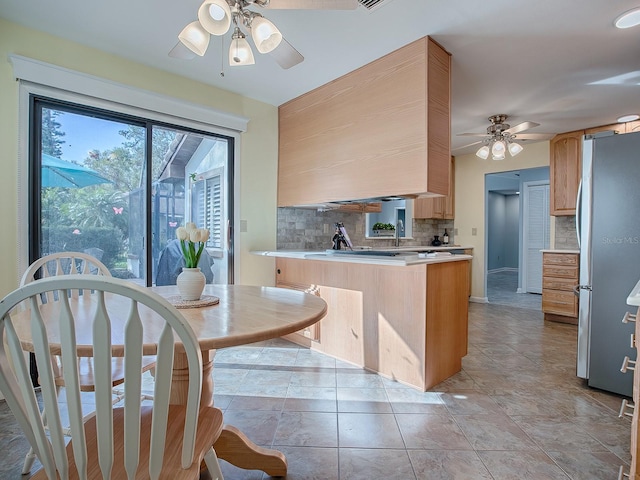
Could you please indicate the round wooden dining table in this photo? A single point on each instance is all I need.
(244, 314)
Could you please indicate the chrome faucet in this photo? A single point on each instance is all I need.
(399, 228)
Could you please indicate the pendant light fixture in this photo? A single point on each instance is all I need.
(195, 38)
(240, 52)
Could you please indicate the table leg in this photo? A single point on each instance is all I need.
(180, 379)
(233, 445)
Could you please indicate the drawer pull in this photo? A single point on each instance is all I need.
(629, 317)
(633, 340)
(627, 364)
(626, 409)
(621, 473)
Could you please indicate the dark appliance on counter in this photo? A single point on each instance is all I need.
(341, 237)
(609, 236)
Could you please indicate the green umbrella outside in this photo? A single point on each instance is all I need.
(60, 173)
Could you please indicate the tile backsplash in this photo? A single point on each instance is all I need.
(566, 238)
(304, 229)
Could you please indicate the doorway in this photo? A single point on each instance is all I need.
(516, 215)
(118, 187)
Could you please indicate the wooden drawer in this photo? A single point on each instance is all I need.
(557, 283)
(560, 303)
(560, 271)
(560, 259)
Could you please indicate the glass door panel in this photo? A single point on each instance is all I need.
(90, 173)
(190, 185)
(91, 191)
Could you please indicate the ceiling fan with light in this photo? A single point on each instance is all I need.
(500, 138)
(217, 17)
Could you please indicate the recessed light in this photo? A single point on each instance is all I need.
(628, 19)
(628, 118)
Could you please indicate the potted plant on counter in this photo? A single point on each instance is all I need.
(383, 229)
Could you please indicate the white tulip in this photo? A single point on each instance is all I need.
(190, 226)
(194, 235)
(181, 233)
(205, 235)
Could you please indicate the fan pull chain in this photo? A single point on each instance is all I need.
(222, 57)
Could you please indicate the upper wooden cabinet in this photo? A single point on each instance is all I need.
(437, 207)
(565, 167)
(616, 127)
(631, 127)
(381, 130)
(565, 164)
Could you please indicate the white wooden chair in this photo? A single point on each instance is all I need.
(68, 263)
(134, 441)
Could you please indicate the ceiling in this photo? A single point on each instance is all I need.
(560, 63)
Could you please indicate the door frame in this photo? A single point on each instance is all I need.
(113, 99)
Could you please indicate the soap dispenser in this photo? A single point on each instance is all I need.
(445, 238)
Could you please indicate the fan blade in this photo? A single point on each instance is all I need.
(312, 4)
(472, 134)
(467, 145)
(182, 52)
(286, 55)
(534, 136)
(522, 126)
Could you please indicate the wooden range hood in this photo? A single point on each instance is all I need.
(382, 130)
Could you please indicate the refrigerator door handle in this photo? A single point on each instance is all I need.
(577, 288)
(579, 211)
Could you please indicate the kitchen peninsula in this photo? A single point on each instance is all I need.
(401, 314)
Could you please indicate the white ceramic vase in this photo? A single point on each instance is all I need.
(191, 283)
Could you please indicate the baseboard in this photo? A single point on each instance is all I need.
(479, 299)
(519, 290)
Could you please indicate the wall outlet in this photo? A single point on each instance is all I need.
(243, 226)
(455, 231)
(325, 228)
(474, 231)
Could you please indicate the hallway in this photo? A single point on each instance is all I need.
(502, 289)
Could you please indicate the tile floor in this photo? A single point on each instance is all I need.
(515, 411)
(502, 289)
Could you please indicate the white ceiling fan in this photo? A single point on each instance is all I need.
(500, 137)
(217, 17)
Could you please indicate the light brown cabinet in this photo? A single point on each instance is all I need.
(408, 323)
(631, 127)
(312, 332)
(560, 273)
(616, 127)
(565, 167)
(372, 207)
(438, 207)
(381, 130)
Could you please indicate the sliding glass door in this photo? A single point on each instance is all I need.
(118, 187)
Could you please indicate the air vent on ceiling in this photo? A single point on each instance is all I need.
(372, 4)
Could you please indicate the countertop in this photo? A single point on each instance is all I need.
(553, 250)
(634, 296)
(404, 257)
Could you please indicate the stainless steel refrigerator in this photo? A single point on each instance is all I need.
(608, 227)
